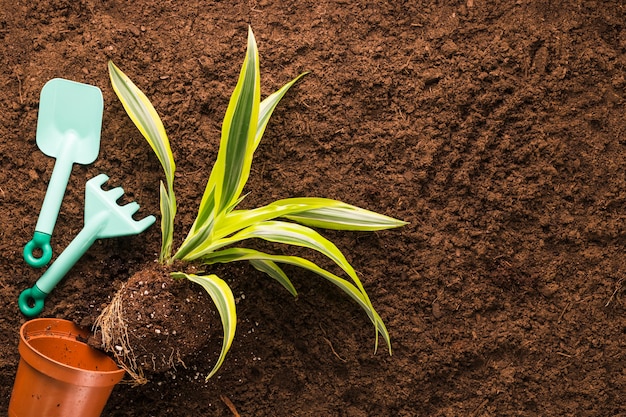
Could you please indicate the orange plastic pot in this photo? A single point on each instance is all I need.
(59, 374)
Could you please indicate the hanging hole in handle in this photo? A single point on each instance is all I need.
(31, 302)
(38, 252)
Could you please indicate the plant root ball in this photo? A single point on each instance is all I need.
(154, 323)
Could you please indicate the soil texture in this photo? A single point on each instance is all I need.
(496, 128)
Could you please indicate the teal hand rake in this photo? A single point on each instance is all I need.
(68, 129)
(104, 218)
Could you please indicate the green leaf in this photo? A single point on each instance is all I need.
(207, 207)
(234, 157)
(147, 120)
(290, 234)
(234, 160)
(167, 223)
(240, 219)
(341, 216)
(268, 105)
(224, 300)
(274, 271)
(237, 147)
(199, 238)
(233, 222)
(241, 254)
(145, 117)
(315, 212)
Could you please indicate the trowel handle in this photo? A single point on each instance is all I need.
(31, 299)
(49, 213)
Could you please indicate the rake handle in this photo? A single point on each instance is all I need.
(31, 300)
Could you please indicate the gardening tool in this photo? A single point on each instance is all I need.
(68, 129)
(104, 218)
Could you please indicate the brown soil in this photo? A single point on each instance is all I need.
(155, 323)
(495, 128)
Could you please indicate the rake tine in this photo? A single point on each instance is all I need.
(115, 193)
(99, 180)
(131, 208)
(143, 224)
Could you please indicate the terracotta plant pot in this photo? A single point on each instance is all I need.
(59, 374)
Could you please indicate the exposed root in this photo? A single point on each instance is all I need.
(179, 359)
(115, 340)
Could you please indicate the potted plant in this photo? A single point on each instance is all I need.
(216, 233)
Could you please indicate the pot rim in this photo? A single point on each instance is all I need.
(68, 333)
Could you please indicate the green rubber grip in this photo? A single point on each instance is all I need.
(31, 301)
(40, 241)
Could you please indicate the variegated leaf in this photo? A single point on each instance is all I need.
(222, 296)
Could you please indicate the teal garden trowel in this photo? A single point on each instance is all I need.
(68, 129)
(104, 218)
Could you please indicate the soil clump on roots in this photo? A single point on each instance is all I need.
(155, 322)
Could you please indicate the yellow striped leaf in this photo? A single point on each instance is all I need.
(147, 120)
(241, 254)
(222, 296)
